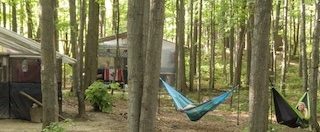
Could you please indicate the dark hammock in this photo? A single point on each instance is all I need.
(288, 115)
(198, 111)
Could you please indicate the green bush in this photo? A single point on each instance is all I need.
(99, 97)
(57, 126)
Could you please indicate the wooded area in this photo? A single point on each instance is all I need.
(247, 50)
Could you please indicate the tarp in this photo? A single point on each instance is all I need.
(4, 100)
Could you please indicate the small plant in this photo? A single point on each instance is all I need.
(114, 86)
(98, 96)
(57, 126)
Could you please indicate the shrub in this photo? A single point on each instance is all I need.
(57, 126)
(99, 97)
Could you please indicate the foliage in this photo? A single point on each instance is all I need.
(99, 97)
(58, 126)
(114, 86)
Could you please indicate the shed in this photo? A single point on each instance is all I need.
(20, 68)
(107, 53)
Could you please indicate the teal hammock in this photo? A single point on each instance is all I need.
(195, 113)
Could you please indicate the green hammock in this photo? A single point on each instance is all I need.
(288, 115)
(196, 112)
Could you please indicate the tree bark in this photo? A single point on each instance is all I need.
(73, 41)
(48, 64)
(92, 44)
(56, 21)
(199, 49)
(258, 92)
(4, 11)
(181, 78)
(81, 88)
(152, 69)
(315, 70)
(212, 45)
(284, 51)
(14, 16)
(303, 51)
(135, 67)
(103, 19)
(249, 39)
(191, 73)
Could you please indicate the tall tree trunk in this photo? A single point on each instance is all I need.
(56, 21)
(199, 49)
(191, 48)
(48, 62)
(14, 16)
(115, 27)
(135, 70)
(152, 69)
(303, 51)
(213, 46)
(315, 70)
(81, 88)
(249, 39)
(21, 17)
(240, 47)
(73, 41)
(284, 51)
(181, 78)
(4, 11)
(258, 92)
(102, 18)
(92, 44)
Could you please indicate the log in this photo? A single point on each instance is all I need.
(37, 102)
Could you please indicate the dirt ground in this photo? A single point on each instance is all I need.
(168, 120)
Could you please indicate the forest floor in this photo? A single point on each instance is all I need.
(168, 119)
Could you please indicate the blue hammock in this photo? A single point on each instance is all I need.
(198, 111)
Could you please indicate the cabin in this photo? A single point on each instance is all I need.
(107, 55)
(20, 69)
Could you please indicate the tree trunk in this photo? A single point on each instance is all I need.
(56, 21)
(103, 18)
(73, 41)
(81, 88)
(284, 51)
(4, 11)
(213, 46)
(191, 48)
(92, 44)
(315, 71)
(181, 78)
(240, 47)
(152, 67)
(258, 92)
(21, 17)
(249, 39)
(303, 51)
(135, 67)
(199, 49)
(115, 27)
(14, 16)
(48, 62)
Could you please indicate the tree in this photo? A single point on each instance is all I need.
(249, 38)
(199, 49)
(14, 16)
(81, 88)
(181, 78)
(135, 70)
(258, 92)
(314, 70)
(284, 67)
(74, 44)
(4, 11)
(192, 58)
(213, 44)
(92, 44)
(303, 52)
(152, 67)
(48, 62)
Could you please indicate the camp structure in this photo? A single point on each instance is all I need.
(20, 68)
(107, 56)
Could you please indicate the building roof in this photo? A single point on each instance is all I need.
(27, 46)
